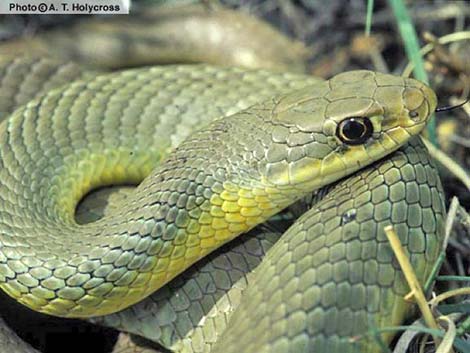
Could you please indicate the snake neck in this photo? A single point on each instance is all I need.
(188, 206)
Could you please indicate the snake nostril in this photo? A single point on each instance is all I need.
(414, 115)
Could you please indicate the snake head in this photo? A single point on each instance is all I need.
(404, 104)
(326, 131)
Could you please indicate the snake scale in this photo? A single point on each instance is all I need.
(330, 277)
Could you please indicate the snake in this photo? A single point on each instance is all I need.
(217, 151)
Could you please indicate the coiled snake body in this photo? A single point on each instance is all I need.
(267, 140)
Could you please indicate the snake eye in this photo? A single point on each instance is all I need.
(354, 131)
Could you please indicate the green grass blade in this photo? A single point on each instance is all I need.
(454, 278)
(370, 8)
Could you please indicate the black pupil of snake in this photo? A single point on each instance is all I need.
(354, 131)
